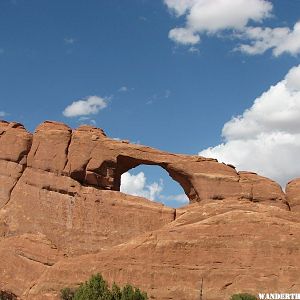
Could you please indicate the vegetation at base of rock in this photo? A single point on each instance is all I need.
(243, 297)
(96, 288)
(67, 294)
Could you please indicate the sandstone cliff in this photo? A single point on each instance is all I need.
(62, 218)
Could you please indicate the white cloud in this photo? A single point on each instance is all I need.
(184, 36)
(193, 49)
(180, 198)
(93, 122)
(89, 106)
(293, 79)
(231, 18)
(136, 185)
(159, 96)
(180, 7)
(266, 137)
(212, 16)
(123, 89)
(2, 114)
(280, 40)
(87, 120)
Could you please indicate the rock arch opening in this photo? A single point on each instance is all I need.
(154, 183)
(164, 184)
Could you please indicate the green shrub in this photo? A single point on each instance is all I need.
(94, 289)
(66, 294)
(243, 297)
(130, 293)
(97, 289)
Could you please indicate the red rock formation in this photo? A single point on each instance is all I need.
(293, 194)
(63, 218)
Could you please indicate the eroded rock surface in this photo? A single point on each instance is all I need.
(293, 194)
(62, 218)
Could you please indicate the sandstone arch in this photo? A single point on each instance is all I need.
(61, 213)
(92, 159)
(126, 163)
(172, 181)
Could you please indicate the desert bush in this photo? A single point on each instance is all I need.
(131, 293)
(96, 288)
(243, 297)
(66, 294)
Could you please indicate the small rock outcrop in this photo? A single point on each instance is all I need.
(293, 194)
(63, 218)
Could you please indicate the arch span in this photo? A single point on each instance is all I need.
(126, 163)
(88, 156)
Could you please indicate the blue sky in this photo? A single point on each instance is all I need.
(166, 73)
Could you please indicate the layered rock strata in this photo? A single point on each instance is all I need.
(62, 218)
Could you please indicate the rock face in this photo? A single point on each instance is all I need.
(293, 194)
(62, 218)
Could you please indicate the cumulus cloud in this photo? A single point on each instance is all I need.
(180, 7)
(89, 106)
(137, 185)
(232, 18)
(184, 36)
(212, 16)
(280, 40)
(266, 137)
(2, 114)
